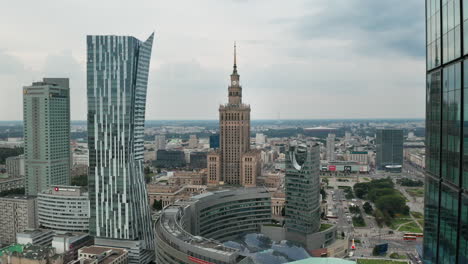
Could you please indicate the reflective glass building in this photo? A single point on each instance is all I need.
(117, 76)
(446, 194)
(389, 148)
(302, 186)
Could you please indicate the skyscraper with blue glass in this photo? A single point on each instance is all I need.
(117, 76)
(446, 191)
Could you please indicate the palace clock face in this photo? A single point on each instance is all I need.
(234, 82)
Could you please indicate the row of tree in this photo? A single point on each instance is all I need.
(387, 200)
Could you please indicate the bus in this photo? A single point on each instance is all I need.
(415, 234)
(405, 237)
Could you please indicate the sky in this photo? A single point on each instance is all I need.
(297, 59)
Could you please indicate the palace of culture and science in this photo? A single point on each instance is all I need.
(234, 163)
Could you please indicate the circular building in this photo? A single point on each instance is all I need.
(192, 231)
(63, 208)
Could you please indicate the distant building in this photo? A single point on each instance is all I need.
(63, 208)
(193, 141)
(360, 156)
(198, 160)
(214, 141)
(160, 142)
(18, 213)
(389, 149)
(169, 159)
(331, 147)
(260, 139)
(46, 134)
(303, 189)
(15, 166)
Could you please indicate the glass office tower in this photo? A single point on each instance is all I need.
(389, 149)
(446, 194)
(302, 186)
(117, 76)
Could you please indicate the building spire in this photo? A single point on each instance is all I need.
(235, 62)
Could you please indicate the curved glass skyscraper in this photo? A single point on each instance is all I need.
(303, 189)
(117, 76)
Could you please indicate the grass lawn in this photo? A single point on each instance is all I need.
(324, 227)
(400, 220)
(421, 222)
(415, 192)
(379, 261)
(417, 215)
(411, 227)
(395, 255)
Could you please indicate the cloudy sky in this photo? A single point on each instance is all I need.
(297, 58)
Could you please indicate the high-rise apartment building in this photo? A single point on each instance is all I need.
(234, 126)
(15, 166)
(302, 187)
(46, 111)
(331, 147)
(117, 77)
(18, 213)
(389, 149)
(446, 188)
(160, 142)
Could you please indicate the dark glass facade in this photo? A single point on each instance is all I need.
(389, 148)
(446, 195)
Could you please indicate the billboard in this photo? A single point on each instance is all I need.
(331, 167)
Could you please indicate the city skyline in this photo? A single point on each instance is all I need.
(324, 65)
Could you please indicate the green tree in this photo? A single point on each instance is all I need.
(379, 192)
(325, 180)
(367, 208)
(323, 193)
(361, 189)
(81, 180)
(157, 205)
(392, 204)
(375, 251)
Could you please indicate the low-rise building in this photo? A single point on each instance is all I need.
(38, 237)
(10, 183)
(102, 255)
(31, 254)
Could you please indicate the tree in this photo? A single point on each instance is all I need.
(81, 180)
(378, 192)
(157, 205)
(361, 189)
(323, 193)
(148, 178)
(392, 204)
(375, 251)
(283, 211)
(367, 208)
(147, 170)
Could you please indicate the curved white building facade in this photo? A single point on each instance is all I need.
(63, 208)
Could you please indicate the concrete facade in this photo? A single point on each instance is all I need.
(46, 108)
(18, 213)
